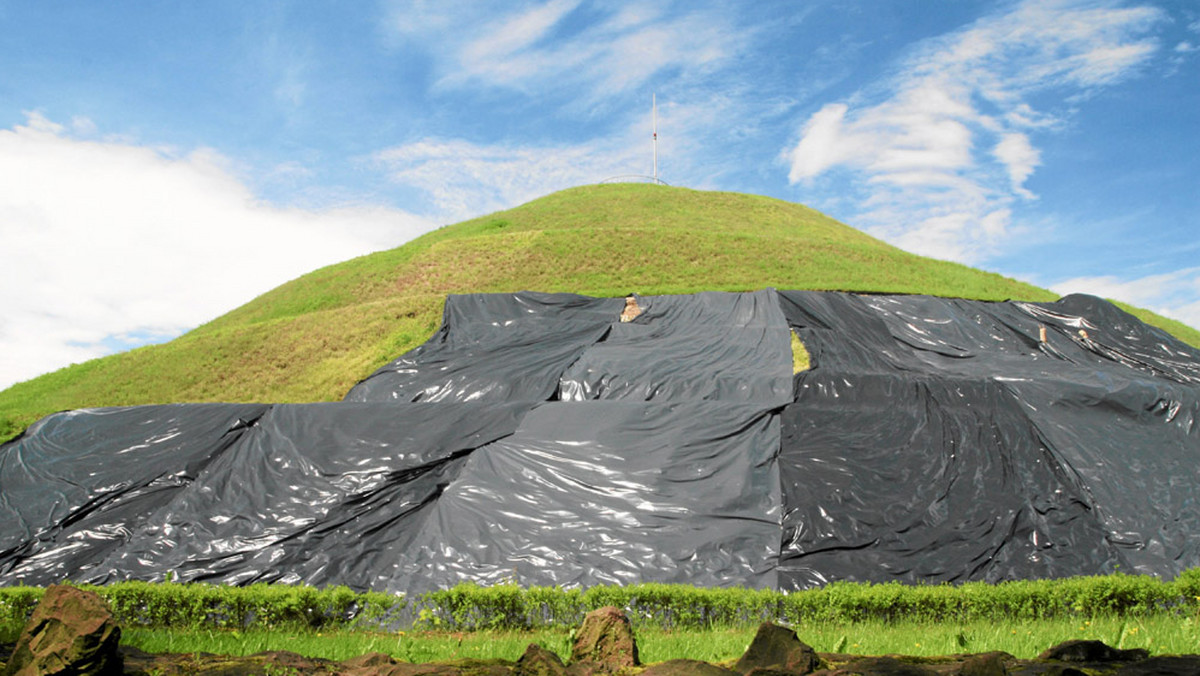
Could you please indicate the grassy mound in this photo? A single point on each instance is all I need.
(314, 337)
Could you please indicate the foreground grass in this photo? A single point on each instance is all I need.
(1160, 634)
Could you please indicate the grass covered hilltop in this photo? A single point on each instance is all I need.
(312, 338)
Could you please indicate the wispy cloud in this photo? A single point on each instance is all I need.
(109, 243)
(616, 49)
(944, 148)
(462, 179)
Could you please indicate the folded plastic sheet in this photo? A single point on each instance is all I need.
(74, 484)
(495, 347)
(886, 334)
(920, 479)
(967, 440)
(314, 493)
(1133, 447)
(537, 439)
(612, 493)
(707, 346)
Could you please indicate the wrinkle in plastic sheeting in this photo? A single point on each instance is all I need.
(927, 481)
(494, 347)
(1083, 415)
(74, 483)
(709, 346)
(318, 493)
(613, 493)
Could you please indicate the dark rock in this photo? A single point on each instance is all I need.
(473, 667)
(884, 666)
(537, 661)
(71, 631)
(1044, 669)
(369, 660)
(264, 664)
(776, 647)
(687, 668)
(1092, 651)
(587, 669)
(466, 667)
(986, 664)
(1188, 665)
(606, 638)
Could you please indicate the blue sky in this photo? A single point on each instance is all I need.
(163, 163)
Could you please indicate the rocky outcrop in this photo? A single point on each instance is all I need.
(986, 664)
(71, 632)
(1091, 651)
(776, 647)
(883, 666)
(537, 661)
(605, 639)
(687, 668)
(1183, 665)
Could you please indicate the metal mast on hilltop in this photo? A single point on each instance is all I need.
(654, 139)
(654, 115)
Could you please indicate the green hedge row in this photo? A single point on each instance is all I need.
(470, 607)
(146, 604)
(683, 607)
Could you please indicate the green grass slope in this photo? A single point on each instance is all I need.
(314, 337)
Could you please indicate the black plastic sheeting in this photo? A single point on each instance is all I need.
(945, 440)
(495, 347)
(537, 439)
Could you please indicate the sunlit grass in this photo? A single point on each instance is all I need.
(342, 645)
(800, 359)
(1160, 634)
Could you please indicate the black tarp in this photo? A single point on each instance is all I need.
(537, 439)
(612, 492)
(945, 440)
(75, 483)
(495, 347)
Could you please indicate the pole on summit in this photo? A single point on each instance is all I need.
(654, 116)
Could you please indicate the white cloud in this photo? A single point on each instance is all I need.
(514, 34)
(1020, 158)
(823, 144)
(1171, 294)
(953, 128)
(463, 179)
(109, 241)
(620, 51)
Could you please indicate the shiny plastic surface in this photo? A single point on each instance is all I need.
(537, 439)
(952, 440)
(495, 347)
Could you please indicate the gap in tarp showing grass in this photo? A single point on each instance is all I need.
(800, 359)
